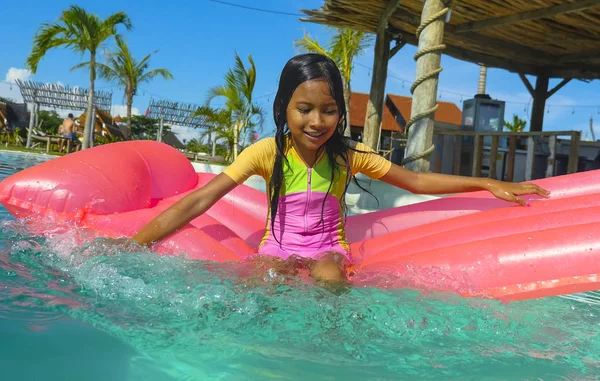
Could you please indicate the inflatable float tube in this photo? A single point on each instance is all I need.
(472, 244)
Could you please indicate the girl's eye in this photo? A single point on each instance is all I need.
(303, 110)
(330, 112)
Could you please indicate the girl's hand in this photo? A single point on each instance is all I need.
(510, 191)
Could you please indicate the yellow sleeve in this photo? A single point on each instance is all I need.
(257, 159)
(364, 160)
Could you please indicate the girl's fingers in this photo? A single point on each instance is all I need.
(520, 201)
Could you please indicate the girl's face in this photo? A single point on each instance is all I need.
(312, 116)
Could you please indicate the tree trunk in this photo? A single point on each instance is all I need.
(347, 95)
(89, 123)
(244, 136)
(129, 105)
(236, 133)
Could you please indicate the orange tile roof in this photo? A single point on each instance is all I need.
(447, 112)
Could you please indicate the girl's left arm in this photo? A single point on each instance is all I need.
(435, 183)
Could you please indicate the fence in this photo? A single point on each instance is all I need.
(533, 139)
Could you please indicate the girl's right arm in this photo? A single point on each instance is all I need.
(185, 210)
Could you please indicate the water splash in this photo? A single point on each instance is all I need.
(198, 317)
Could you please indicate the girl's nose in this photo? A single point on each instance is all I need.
(316, 120)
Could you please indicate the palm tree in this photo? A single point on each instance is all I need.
(517, 124)
(237, 91)
(220, 122)
(344, 46)
(122, 68)
(82, 32)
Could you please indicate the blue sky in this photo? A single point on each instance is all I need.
(197, 42)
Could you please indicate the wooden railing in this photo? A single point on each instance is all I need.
(204, 158)
(512, 147)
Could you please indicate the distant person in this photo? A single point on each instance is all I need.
(67, 130)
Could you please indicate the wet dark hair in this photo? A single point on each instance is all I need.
(300, 69)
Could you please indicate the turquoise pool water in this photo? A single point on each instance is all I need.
(98, 313)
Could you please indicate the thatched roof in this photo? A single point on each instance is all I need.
(557, 38)
(15, 114)
(104, 123)
(171, 139)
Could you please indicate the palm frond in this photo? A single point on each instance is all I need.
(48, 36)
(345, 46)
(155, 73)
(310, 45)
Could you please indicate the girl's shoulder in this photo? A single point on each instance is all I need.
(265, 146)
(358, 148)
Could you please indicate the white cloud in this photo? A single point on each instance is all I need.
(122, 110)
(10, 90)
(14, 74)
(186, 133)
(65, 113)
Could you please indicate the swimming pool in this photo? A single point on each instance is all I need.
(83, 313)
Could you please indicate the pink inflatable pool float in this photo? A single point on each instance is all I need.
(472, 244)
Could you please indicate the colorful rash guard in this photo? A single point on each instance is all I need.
(304, 197)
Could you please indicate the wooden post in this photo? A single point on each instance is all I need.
(374, 112)
(510, 166)
(31, 124)
(493, 155)
(438, 158)
(552, 156)
(160, 130)
(457, 154)
(477, 155)
(530, 158)
(574, 152)
(539, 103)
(540, 94)
(420, 134)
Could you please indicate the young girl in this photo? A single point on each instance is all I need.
(308, 166)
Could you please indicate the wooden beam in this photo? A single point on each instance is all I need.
(548, 12)
(509, 134)
(510, 165)
(529, 161)
(574, 71)
(588, 55)
(558, 87)
(374, 111)
(457, 155)
(477, 156)
(399, 45)
(493, 157)
(527, 84)
(539, 103)
(573, 164)
(438, 155)
(551, 157)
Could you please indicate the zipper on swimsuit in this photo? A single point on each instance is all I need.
(308, 190)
